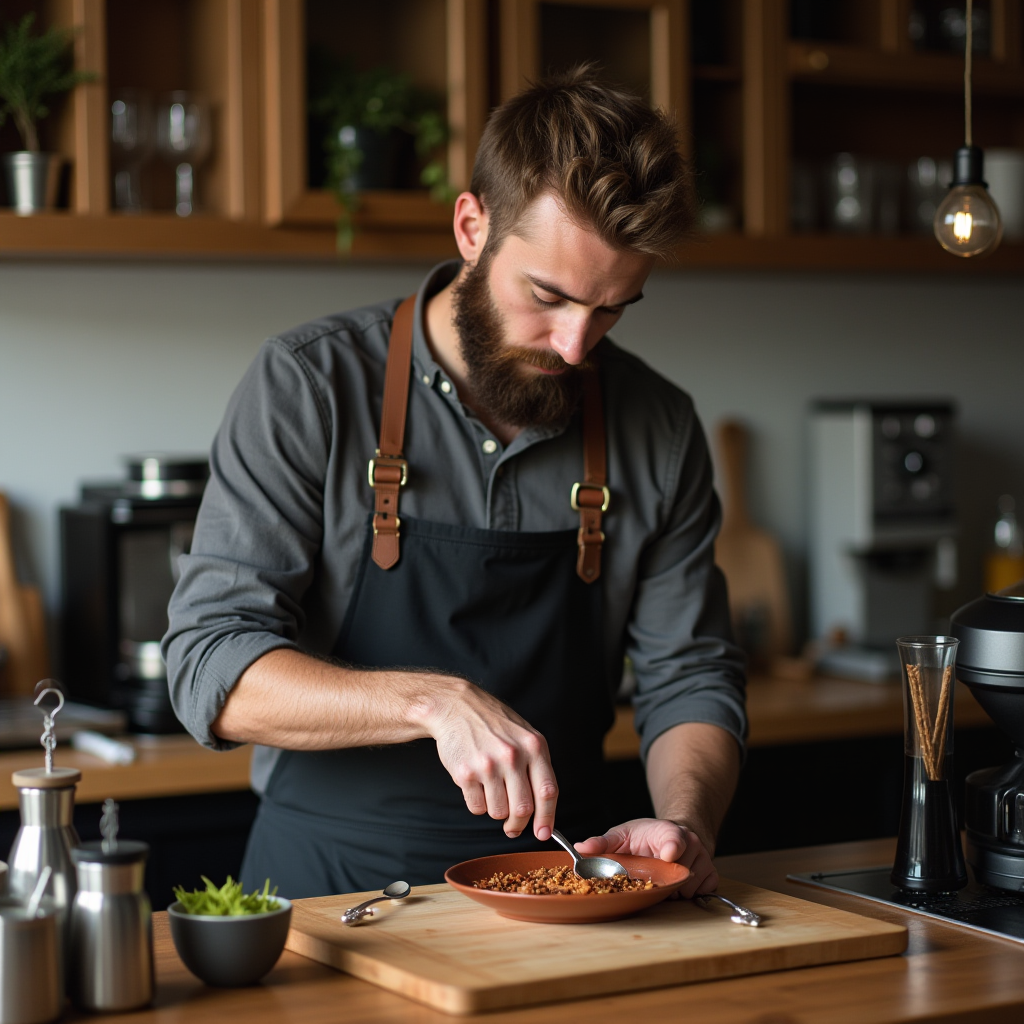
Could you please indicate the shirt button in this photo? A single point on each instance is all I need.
(445, 386)
(490, 447)
(426, 379)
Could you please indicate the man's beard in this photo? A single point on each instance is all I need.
(497, 378)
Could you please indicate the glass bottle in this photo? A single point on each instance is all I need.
(1005, 563)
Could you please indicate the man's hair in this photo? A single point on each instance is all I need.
(612, 162)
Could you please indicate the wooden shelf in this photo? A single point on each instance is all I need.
(835, 64)
(866, 253)
(164, 236)
(418, 229)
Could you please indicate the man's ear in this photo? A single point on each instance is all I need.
(470, 225)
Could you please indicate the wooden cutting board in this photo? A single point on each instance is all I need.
(22, 621)
(442, 949)
(750, 558)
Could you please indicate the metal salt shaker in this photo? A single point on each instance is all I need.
(110, 954)
(46, 798)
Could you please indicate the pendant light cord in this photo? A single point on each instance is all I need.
(967, 73)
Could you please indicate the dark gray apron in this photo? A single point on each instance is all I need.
(506, 610)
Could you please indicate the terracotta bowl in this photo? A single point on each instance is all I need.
(565, 909)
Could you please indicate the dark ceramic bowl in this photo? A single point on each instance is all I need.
(667, 877)
(230, 952)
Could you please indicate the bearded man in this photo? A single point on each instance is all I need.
(432, 646)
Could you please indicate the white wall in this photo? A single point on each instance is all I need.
(102, 359)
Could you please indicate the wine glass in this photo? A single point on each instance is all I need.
(183, 138)
(131, 145)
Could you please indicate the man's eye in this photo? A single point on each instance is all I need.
(543, 302)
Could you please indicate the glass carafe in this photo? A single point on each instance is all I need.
(929, 856)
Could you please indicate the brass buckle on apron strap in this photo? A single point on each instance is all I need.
(606, 497)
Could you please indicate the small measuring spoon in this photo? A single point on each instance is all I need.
(589, 867)
(395, 891)
(742, 915)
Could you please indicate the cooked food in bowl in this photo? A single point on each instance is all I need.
(665, 878)
(560, 881)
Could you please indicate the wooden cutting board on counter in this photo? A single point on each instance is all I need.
(442, 949)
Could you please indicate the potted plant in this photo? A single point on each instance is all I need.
(33, 68)
(375, 126)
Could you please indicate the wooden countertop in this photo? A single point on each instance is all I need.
(948, 973)
(163, 766)
(784, 711)
(781, 711)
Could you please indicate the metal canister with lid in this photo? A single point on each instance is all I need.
(110, 955)
(46, 799)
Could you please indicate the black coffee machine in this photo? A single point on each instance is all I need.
(990, 660)
(119, 553)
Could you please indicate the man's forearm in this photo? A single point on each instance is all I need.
(288, 699)
(692, 771)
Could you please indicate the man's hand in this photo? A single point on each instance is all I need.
(655, 837)
(498, 760)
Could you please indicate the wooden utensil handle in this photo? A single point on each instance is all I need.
(733, 444)
(15, 631)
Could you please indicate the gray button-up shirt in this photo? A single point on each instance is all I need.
(283, 520)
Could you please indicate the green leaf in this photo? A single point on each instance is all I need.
(228, 900)
(33, 67)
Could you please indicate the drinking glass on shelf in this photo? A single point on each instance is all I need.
(131, 145)
(183, 140)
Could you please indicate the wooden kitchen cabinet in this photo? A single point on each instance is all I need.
(756, 96)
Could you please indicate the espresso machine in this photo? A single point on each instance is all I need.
(882, 527)
(119, 550)
(990, 660)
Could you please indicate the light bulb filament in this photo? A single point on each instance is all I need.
(962, 226)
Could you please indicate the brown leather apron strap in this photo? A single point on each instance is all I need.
(389, 471)
(591, 497)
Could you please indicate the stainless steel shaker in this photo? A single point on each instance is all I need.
(31, 986)
(46, 836)
(110, 953)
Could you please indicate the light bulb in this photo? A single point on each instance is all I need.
(967, 221)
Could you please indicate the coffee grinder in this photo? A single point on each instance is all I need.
(990, 661)
(882, 527)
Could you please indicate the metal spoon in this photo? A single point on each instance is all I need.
(395, 891)
(589, 867)
(742, 915)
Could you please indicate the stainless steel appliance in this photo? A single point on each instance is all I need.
(120, 547)
(882, 525)
(991, 663)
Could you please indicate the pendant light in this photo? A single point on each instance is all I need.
(967, 221)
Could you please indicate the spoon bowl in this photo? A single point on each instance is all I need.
(395, 891)
(589, 867)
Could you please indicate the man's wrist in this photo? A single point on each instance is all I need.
(432, 699)
(694, 824)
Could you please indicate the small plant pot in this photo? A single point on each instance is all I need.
(230, 952)
(32, 181)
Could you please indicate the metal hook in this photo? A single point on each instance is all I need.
(60, 700)
(49, 739)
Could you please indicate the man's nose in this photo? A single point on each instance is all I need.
(569, 339)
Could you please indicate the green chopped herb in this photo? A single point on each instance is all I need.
(228, 900)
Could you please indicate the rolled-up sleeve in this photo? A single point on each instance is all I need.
(257, 536)
(688, 669)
